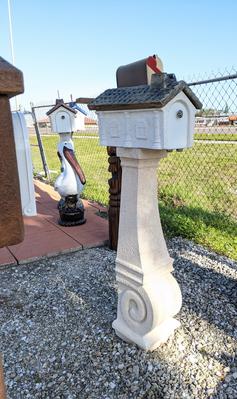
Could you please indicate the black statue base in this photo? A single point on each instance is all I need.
(71, 211)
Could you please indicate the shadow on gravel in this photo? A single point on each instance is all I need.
(212, 296)
(216, 291)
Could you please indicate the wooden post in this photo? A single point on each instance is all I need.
(2, 386)
(114, 196)
(11, 222)
(114, 188)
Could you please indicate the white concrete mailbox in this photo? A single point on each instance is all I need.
(143, 122)
(66, 119)
(159, 116)
(24, 164)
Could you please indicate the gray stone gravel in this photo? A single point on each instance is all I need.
(57, 340)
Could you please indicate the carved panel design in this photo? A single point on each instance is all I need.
(114, 129)
(141, 130)
(152, 128)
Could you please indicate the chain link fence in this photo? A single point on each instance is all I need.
(203, 178)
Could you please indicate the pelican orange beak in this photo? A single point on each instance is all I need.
(70, 157)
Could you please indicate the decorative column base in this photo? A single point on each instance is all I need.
(148, 294)
(152, 340)
(145, 312)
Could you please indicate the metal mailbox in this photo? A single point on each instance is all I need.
(138, 72)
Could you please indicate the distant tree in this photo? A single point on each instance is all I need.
(208, 112)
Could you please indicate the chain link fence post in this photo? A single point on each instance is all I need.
(40, 144)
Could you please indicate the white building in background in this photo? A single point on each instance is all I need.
(91, 124)
(212, 120)
(28, 119)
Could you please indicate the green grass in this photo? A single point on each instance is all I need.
(83, 133)
(91, 156)
(80, 133)
(213, 230)
(197, 188)
(215, 136)
(198, 196)
(203, 176)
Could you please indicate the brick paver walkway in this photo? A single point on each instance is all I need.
(45, 237)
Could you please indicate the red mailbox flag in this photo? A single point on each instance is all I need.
(139, 72)
(153, 65)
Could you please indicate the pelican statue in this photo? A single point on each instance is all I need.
(69, 184)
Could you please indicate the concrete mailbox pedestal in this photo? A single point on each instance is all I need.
(149, 296)
(143, 122)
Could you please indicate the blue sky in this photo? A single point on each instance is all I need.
(76, 46)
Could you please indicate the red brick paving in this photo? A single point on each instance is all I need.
(45, 237)
(6, 257)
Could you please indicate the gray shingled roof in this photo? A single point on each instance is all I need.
(144, 96)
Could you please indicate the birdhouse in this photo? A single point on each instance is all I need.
(66, 118)
(156, 116)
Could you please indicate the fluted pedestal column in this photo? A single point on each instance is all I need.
(148, 294)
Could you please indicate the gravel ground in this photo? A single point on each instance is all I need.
(57, 340)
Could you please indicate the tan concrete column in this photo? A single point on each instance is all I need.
(149, 295)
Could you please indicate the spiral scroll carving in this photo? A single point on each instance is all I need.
(135, 309)
(135, 306)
